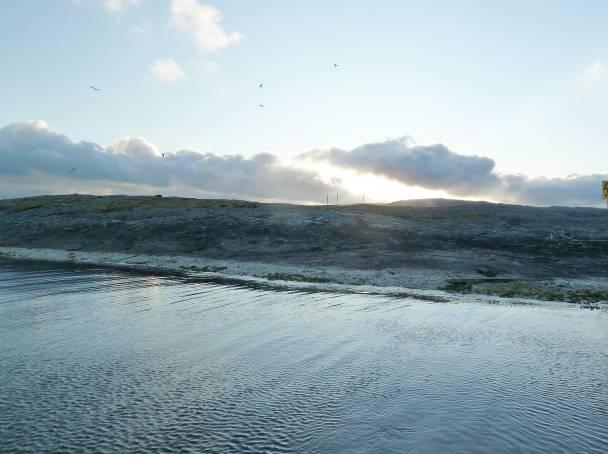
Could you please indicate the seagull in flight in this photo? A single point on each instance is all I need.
(261, 85)
(94, 88)
(336, 65)
(72, 170)
(162, 154)
(261, 105)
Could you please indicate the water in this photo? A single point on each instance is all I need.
(108, 361)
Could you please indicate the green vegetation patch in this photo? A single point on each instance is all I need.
(528, 290)
(458, 286)
(587, 296)
(520, 289)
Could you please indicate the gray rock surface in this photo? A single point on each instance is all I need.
(477, 239)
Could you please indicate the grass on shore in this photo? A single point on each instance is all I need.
(524, 289)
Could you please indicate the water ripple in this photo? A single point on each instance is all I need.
(97, 360)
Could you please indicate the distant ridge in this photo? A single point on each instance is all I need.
(437, 203)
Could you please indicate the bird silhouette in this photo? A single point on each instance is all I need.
(94, 88)
(336, 65)
(72, 170)
(261, 85)
(162, 154)
(261, 105)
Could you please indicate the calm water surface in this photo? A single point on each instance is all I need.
(108, 361)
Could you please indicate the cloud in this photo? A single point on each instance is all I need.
(135, 147)
(167, 70)
(203, 23)
(119, 6)
(593, 73)
(432, 166)
(37, 159)
(436, 167)
(573, 190)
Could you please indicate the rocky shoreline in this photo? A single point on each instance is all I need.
(554, 254)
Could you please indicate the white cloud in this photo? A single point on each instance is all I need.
(167, 70)
(203, 23)
(136, 147)
(36, 160)
(119, 6)
(594, 72)
(210, 66)
(428, 166)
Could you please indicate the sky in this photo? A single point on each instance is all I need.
(502, 101)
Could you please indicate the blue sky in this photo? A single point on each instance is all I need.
(523, 83)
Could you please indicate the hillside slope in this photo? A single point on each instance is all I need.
(488, 239)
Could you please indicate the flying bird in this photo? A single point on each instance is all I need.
(72, 170)
(261, 105)
(162, 154)
(94, 88)
(336, 65)
(261, 85)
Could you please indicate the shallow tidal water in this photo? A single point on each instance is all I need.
(98, 360)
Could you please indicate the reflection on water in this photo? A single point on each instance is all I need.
(103, 360)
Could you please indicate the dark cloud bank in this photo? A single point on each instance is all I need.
(37, 160)
(437, 167)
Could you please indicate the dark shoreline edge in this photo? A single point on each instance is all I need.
(455, 294)
(218, 278)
